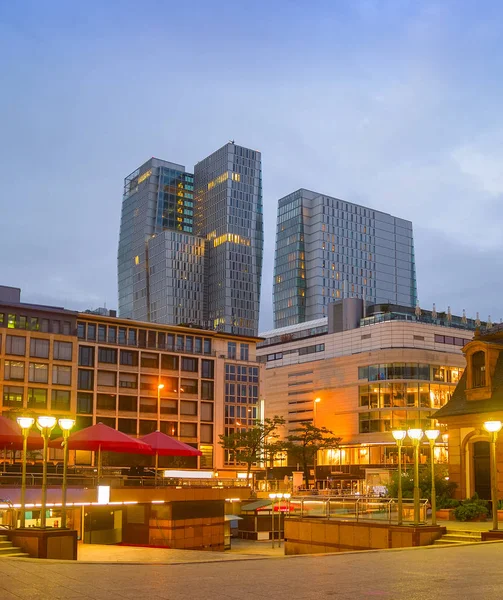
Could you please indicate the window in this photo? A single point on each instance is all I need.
(84, 403)
(129, 357)
(188, 386)
(38, 372)
(106, 402)
(112, 334)
(102, 333)
(149, 361)
(208, 369)
(67, 328)
(478, 369)
(244, 350)
(107, 378)
(128, 380)
(206, 411)
(207, 390)
(91, 332)
(363, 372)
(147, 426)
(206, 433)
(169, 362)
(56, 327)
(63, 350)
(169, 428)
(60, 400)
(15, 345)
(127, 426)
(44, 325)
(131, 340)
(81, 331)
(39, 348)
(13, 396)
(122, 336)
(11, 321)
(86, 356)
(14, 370)
(107, 355)
(231, 349)
(188, 408)
(61, 375)
(189, 364)
(85, 380)
(207, 346)
(188, 430)
(37, 398)
(128, 403)
(169, 407)
(148, 405)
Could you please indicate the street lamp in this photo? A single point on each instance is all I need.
(66, 426)
(432, 435)
(493, 428)
(159, 388)
(46, 425)
(399, 435)
(26, 423)
(416, 435)
(315, 403)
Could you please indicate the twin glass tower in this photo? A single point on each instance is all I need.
(191, 244)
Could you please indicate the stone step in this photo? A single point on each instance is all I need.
(442, 542)
(458, 537)
(3, 538)
(15, 554)
(9, 550)
(463, 532)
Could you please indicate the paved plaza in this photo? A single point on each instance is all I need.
(465, 572)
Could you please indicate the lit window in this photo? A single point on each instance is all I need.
(136, 260)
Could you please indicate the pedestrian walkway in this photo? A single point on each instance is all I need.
(428, 573)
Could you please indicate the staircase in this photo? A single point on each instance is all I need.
(455, 537)
(8, 550)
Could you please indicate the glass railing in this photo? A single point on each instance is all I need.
(355, 508)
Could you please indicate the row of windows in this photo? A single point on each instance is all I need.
(422, 372)
(244, 351)
(39, 348)
(241, 373)
(403, 395)
(131, 336)
(15, 321)
(147, 360)
(300, 351)
(14, 370)
(36, 398)
(448, 339)
(385, 420)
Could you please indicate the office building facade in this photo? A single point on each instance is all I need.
(387, 370)
(328, 249)
(190, 246)
(99, 368)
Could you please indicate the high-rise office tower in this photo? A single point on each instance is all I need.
(190, 246)
(328, 249)
(229, 216)
(160, 261)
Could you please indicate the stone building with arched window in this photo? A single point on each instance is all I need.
(478, 397)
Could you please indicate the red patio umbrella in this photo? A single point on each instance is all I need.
(164, 445)
(100, 438)
(11, 437)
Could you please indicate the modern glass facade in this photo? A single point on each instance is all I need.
(190, 246)
(229, 216)
(328, 249)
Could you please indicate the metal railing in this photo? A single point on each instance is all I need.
(354, 508)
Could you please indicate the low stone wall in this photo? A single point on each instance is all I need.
(46, 543)
(314, 536)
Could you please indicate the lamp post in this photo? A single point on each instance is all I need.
(315, 403)
(416, 435)
(26, 424)
(66, 426)
(493, 428)
(159, 388)
(432, 435)
(46, 425)
(272, 498)
(399, 435)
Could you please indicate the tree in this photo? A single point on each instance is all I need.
(253, 444)
(305, 443)
(444, 488)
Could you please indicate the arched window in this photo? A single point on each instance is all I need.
(478, 369)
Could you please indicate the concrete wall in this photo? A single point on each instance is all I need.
(303, 536)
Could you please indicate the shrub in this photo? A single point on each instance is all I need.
(443, 502)
(443, 487)
(471, 508)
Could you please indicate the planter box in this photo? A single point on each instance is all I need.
(446, 514)
(500, 515)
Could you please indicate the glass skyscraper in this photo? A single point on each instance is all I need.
(328, 249)
(190, 246)
(229, 216)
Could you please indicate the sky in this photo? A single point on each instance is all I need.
(393, 104)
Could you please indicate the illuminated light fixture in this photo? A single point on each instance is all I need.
(66, 424)
(25, 422)
(399, 434)
(493, 426)
(160, 386)
(432, 434)
(46, 422)
(415, 434)
(103, 494)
